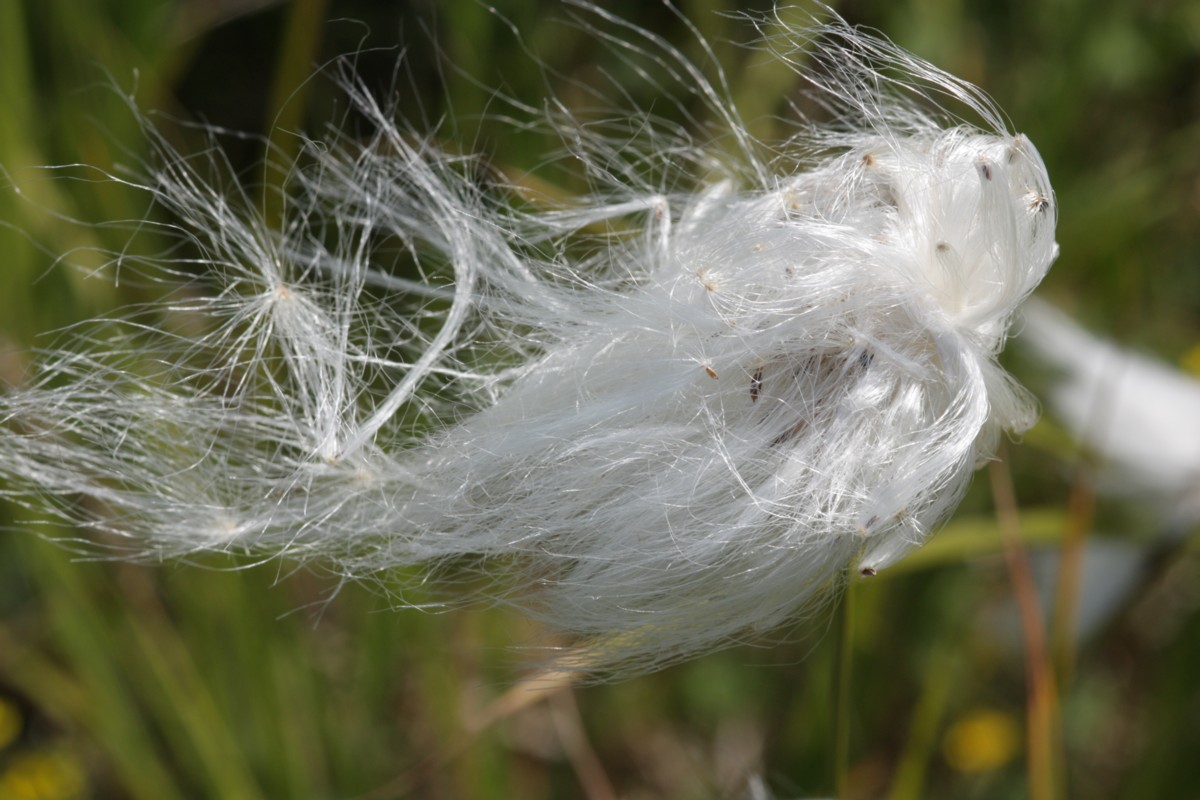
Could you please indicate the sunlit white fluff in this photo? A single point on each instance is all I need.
(1140, 415)
(661, 416)
(1141, 420)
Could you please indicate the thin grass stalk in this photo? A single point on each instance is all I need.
(289, 93)
(921, 741)
(843, 676)
(1081, 506)
(568, 723)
(102, 706)
(1042, 715)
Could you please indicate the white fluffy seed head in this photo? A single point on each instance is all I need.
(669, 413)
(1140, 415)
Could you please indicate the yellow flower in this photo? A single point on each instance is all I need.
(42, 775)
(982, 741)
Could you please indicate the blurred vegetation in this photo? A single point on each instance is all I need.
(126, 681)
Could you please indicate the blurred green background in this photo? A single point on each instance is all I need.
(179, 682)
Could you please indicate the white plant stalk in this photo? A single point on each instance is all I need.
(666, 415)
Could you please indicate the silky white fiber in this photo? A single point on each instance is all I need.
(660, 417)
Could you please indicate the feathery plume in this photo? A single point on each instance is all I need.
(659, 417)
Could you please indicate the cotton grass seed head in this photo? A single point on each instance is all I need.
(666, 414)
(1139, 415)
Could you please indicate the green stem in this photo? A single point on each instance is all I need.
(845, 669)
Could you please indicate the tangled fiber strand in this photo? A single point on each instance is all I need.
(663, 416)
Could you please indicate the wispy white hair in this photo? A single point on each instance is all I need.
(666, 414)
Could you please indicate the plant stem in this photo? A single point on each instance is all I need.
(843, 675)
(1042, 712)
